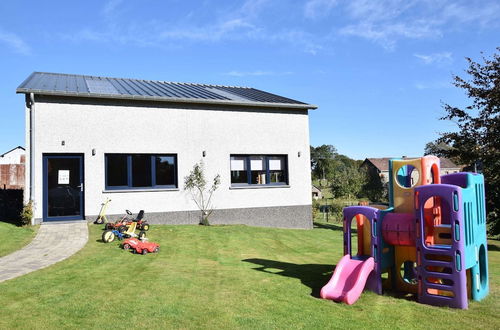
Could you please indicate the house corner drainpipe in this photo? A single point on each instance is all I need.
(32, 147)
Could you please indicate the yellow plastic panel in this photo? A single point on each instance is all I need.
(403, 197)
(402, 254)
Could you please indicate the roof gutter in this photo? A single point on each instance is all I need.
(300, 106)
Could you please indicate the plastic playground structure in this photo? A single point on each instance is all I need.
(430, 241)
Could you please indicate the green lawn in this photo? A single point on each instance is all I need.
(13, 238)
(219, 277)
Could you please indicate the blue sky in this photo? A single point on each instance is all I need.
(378, 70)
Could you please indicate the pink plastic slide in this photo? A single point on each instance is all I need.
(348, 280)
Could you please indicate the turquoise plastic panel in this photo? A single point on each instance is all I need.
(387, 257)
(474, 212)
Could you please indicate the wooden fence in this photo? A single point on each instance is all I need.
(12, 176)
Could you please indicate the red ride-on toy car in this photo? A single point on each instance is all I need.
(141, 247)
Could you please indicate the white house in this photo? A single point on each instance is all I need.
(12, 169)
(13, 156)
(133, 141)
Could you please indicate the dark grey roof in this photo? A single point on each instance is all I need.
(89, 86)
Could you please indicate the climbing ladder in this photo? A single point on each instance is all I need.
(441, 267)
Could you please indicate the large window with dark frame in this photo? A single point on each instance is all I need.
(259, 170)
(135, 171)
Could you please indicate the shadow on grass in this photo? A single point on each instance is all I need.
(312, 275)
(328, 226)
(493, 247)
(400, 295)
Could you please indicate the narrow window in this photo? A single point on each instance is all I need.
(277, 169)
(116, 170)
(258, 170)
(141, 171)
(239, 169)
(165, 170)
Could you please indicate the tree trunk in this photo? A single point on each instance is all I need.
(204, 219)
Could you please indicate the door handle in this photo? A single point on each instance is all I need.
(80, 186)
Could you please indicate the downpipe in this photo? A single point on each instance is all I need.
(32, 149)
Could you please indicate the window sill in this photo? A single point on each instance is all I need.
(138, 190)
(262, 186)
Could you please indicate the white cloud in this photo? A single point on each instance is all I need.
(110, 6)
(480, 12)
(318, 8)
(388, 34)
(432, 85)
(383, 22)
(242, 23)
(387, 21)
(14, 42)
(230, 29)
(235, 73)
(252, 8)
(435, 58)
(380, 10)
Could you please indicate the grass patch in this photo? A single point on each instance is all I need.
(218, 277)
(13, 237)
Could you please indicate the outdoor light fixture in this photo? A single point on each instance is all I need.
(63, 143)
(298, 154)
(204, 153)
(93, 152)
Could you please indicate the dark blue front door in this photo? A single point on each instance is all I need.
(63, 187)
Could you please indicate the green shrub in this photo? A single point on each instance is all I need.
(27, 214)
(315, 209)
(336, 211)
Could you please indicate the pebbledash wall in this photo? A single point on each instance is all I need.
(127, 126)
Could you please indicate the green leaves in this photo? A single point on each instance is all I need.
(477, 139)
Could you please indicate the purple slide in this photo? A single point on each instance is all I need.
(348, 280)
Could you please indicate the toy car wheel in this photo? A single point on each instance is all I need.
(126, 246)
(108, 236)
(108, 226)
(157, 249)
(142, 235)
(99, 221)
(144, 251)
(145, 226)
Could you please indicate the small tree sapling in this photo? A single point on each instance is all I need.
(196, 184)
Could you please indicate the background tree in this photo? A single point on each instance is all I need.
(322, 161)
(477, 139)
(347, 179)
(373, 188)
(439, 149)
(196, 184)
(347, 182)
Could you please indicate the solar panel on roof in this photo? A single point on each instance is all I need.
(229, 95)
(100, 87)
